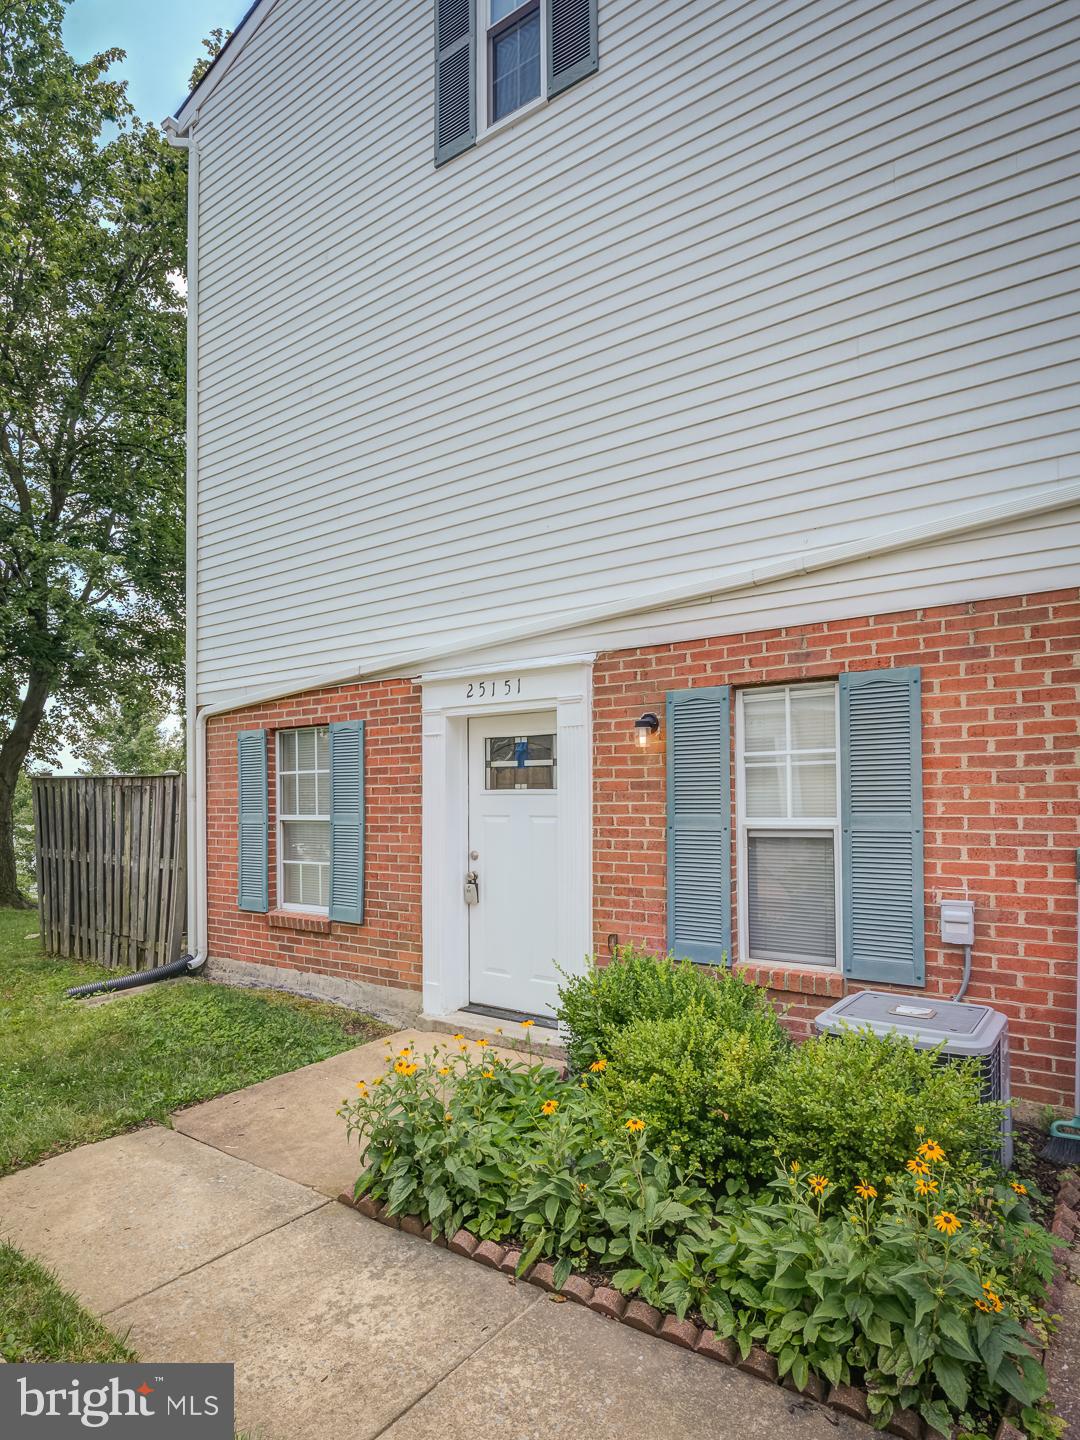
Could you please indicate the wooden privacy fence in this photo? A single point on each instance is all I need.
(110, 867)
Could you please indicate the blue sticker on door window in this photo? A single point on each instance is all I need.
(521, 753)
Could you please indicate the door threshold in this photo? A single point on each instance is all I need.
(495, 1012)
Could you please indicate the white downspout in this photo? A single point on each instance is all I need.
(195, 724)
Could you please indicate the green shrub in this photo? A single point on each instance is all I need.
(702, 1086)
(856, 1105)
(634, 986)
(919, 1291)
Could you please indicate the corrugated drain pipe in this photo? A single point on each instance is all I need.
(186, 965)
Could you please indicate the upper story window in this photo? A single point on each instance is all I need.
(513, 55)
(304, 818)
(788, 811)
(497, 58)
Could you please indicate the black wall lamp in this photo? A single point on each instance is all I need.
(646, 725)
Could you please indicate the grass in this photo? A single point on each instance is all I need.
(41, 1321)
(72, 1073)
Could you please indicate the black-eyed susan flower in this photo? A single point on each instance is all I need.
(818, 1184)
(635, 1126)
(598, 1066)
(932, 1151)
(946, 1222)
(527, 1024)
(378, 1080)
(1018, 1187)
(925, 1187)
(917, 1166)
(444, 1069)
(549, 1107)
(361, 1085)
(865, 1191)
(482, 1042)
(795, 1167)
(488, 1074)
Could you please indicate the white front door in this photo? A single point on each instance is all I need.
(513, 850)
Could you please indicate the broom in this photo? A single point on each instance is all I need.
(1063, 1147)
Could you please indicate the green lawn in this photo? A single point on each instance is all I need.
(41, 1321)
(71, 1073)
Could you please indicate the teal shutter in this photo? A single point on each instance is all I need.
(573, 43)
(253, 885)
(455, 78)
(699, 823)
(347, 821)
(882, 826)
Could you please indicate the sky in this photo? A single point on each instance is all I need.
(162, 39)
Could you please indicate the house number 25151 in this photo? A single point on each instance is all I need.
(492, 689)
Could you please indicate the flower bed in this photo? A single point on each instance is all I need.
(923, 1290)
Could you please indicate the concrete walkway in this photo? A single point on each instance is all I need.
(218, 1241)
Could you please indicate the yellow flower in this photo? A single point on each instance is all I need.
(378, 1080)
(983, 1306)
(584, 1084)
(818, 1184)
(410, 1069)
(488, 1074)
(795, 1167)
(865, 1191)
(448, 1117)
(925, 1187)
(918, 1167)
(635, 1126)
(931, 1150)
(549, 1107)
(482, 1043)
(920, 1129)
(362, 1087)
(946, 1222)
(463, 1046)
(459, 1037)
(1020, 1189)
(598, 1066)
(582, 1187)
(993, 1300)
(498, 1029)
(527, 1024)
(400, 1067)
(444, 1069)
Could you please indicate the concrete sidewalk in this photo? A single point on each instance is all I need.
(221, 1243)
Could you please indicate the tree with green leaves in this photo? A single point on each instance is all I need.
(136, 735)
(92, 241)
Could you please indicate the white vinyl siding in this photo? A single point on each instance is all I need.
(777, 277)
(788, 808)
(304, 818)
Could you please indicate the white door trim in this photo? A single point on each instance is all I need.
(449, 700)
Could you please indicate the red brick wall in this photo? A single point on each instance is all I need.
(384, 950)
(1001, 702)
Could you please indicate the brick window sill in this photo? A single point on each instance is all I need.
(794, 979)
(293, 920)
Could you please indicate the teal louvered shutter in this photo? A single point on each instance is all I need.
(882, 826)
(253, 884)
(573, 43)
(455, 77)
(347, 821)
(699, 823)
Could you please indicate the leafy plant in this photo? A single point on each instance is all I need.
(852, 1105)
(919, 1288)
(703, 1086)
(632, 986)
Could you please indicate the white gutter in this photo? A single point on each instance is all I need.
(196, 751)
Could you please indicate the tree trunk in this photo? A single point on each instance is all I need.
(13, 753)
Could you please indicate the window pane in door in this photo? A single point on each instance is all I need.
(791, 897)
(515, 66)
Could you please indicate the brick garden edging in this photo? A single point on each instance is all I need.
(847, 1400)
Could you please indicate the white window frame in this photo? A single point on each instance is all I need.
(484, 124)
(784, 826)
(280, 817)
